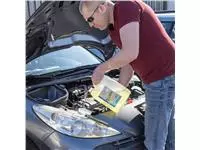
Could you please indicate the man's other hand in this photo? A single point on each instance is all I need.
(98, 75)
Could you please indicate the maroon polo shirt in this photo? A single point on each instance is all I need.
(156, 58)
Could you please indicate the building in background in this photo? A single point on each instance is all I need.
(171, 5)
(157, 5)
(161, 5)
(31, 7)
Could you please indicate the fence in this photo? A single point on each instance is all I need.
(161, 5)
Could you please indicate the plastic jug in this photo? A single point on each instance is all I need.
(110, 93)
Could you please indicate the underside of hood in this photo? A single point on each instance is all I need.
(55, 19)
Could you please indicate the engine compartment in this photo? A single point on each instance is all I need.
(76, 96)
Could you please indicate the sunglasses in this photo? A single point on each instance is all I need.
(91, 18)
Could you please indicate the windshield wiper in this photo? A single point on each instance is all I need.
(39, 77)
(75, 71)
(68, 72)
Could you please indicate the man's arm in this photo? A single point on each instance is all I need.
(126, 73)
(129, 35)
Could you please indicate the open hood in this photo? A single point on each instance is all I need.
(56, 19)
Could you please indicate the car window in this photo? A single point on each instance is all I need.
(63, 59)
(167, 26)
(170, 28)
(173, 33)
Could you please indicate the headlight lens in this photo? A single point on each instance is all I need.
(72, 123)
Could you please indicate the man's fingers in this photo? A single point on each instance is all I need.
(97, 76)
(96, 79)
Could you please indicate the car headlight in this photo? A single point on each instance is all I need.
(72, 123)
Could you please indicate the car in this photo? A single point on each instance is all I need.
(167, 19)
(61, 54)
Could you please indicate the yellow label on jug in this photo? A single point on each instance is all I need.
(111, 94)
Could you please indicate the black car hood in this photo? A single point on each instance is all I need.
(55, 19)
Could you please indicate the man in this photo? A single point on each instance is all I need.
(148, 50)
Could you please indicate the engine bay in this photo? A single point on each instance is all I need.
(76, 96)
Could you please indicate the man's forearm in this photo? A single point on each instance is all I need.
(121, 59)
(126, 74)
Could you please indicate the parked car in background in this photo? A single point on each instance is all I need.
(167, 18)
(61, 54)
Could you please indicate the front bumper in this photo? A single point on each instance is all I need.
(58, 141)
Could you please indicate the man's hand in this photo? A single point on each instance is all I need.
(126, 74)
(98, 74)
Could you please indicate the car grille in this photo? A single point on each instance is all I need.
(131, 143)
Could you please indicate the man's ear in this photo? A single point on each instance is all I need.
(102, 8)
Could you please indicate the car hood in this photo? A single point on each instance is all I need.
(57, 19)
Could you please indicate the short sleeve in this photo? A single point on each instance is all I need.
(127, 11)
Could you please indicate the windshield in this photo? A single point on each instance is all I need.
(68, 58)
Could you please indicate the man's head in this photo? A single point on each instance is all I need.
(96, 13)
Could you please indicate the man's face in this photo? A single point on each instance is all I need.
(96, 18)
